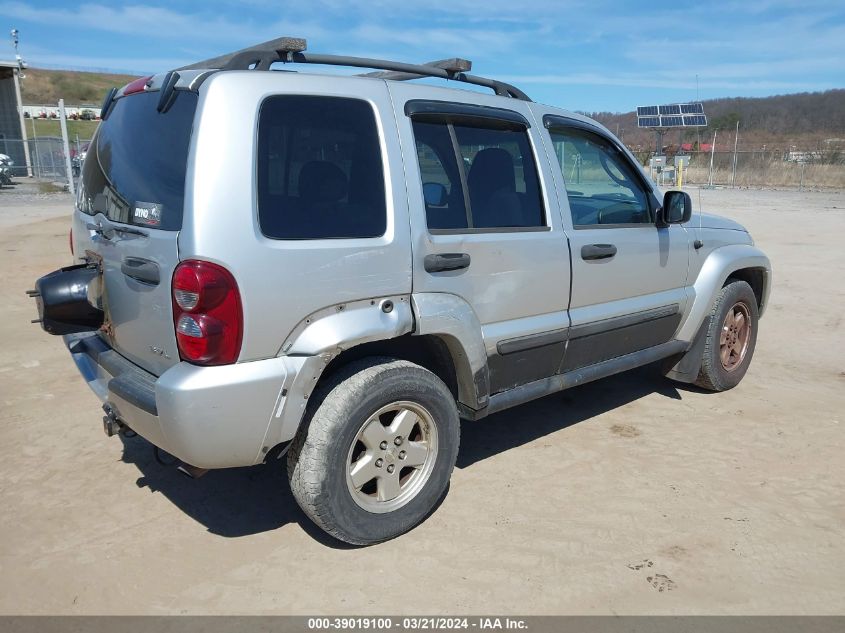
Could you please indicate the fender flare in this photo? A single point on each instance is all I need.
(316, 340)
(719, 265)
(452, 319)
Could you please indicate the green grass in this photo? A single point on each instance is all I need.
(76, 88)
(50, 127)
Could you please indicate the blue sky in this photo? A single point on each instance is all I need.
(582, 55)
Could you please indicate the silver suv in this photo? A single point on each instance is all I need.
(342, 267)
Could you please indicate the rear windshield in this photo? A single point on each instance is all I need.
(135, 168)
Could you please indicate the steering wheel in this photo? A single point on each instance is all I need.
(622, 182)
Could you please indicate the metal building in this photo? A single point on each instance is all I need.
(12, 131)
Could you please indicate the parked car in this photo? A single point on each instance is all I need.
(6, 164)
(368, 261)
(77, 159)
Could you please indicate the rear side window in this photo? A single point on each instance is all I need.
(477, 176)
(135, 168)
(320, 170)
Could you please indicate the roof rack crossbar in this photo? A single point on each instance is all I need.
(291, 50)
(454, 65)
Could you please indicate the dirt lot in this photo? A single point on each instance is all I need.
(630, 495)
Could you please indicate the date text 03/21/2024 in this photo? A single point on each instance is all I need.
(416, 623)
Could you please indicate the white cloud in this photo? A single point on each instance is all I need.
(659, 81)
(769, 45)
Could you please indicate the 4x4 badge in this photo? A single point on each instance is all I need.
(159, 351)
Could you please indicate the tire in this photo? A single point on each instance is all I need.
(736, 298)
(344, 439)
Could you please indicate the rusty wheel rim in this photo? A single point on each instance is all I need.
(735, 335)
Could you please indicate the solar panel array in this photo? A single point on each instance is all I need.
(672, 115)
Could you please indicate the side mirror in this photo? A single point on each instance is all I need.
(677, 208)
(435, 194)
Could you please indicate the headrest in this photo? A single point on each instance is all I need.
(322, 182)
(492, 170)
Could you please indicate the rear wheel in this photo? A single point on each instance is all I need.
(731, 338)
(376, 456)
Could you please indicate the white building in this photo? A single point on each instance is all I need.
(51, 110)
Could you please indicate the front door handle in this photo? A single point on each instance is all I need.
(442, 262)
(598, 251)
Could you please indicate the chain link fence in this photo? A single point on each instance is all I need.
(46, 157)
(762, 169)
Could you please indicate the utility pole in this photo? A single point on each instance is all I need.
(36, 169)
(17, 75)
(712, 150)
(68, 167)
(736, 142)
(697, 100)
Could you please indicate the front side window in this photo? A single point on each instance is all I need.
(477, 176)
(320, 170)
(600, 184)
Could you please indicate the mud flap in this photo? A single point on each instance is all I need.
(686, 367)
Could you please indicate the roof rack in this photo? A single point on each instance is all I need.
(289, 50)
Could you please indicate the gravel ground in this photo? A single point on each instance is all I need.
(630, 495)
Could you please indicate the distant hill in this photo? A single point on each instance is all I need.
(76, 88)
(805, 120)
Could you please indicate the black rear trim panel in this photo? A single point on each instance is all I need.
(128, 382)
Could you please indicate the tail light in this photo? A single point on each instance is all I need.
(207, 313)
(70, 239)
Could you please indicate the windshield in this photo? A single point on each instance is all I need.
(135, 168)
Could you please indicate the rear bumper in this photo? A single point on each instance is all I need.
(211, 417)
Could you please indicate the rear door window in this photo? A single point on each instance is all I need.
(441, 177)
(320, 169)
(501, 177)
(135, 169)
(478, 176)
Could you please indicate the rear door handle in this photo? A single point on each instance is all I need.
(598, 251)
(442, 262)
(141, 269)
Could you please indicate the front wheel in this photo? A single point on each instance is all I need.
(731, 338)
(376, 456)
